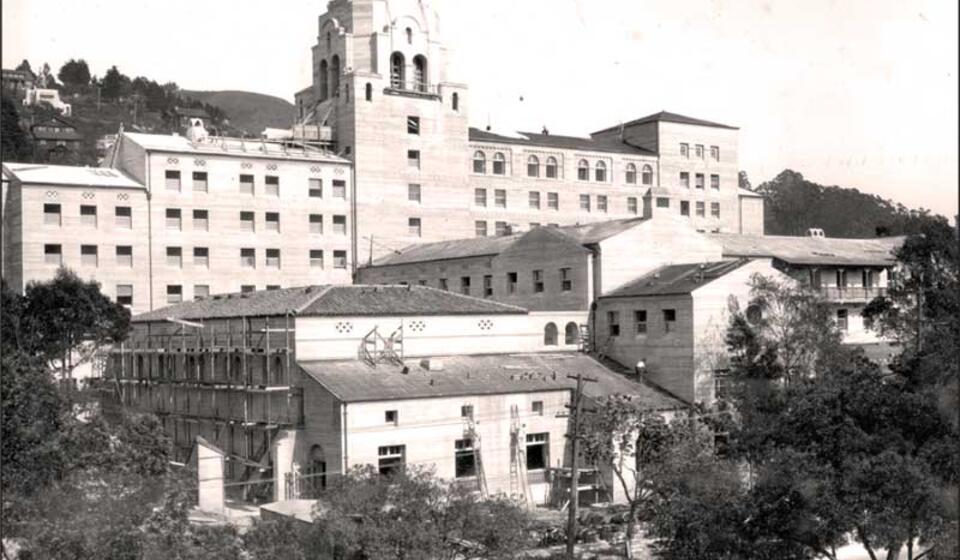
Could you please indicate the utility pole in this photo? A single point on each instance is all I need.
(575, 412)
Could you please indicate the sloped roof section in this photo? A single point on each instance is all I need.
(611, 145)
(492, 374)
(69, 175)
(812, 250)
(241, 147)
(665, 116)
(333, 301)
(678, 279)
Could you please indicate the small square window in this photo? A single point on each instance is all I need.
(201, 291)
(480, 197)
(271, 185)
(273, 258)
(316, 258)
(52, 254)
(339, 259)
(125, 256)
(391, 417)
(248, 258)
(201, 257)
(89, 255)
(480, 227)
(174, 293)
(413, 125)
(501, 229)
(663, 202)
(466, 411)
(537, 408)
(339, 189)
(125, 294)
(201, 220)
(413, 158)
(413, 193)
(51, 214)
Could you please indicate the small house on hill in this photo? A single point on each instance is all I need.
(55, 139)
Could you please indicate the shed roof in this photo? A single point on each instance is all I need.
(560, 142)
(490, 374)
(69, 175)
(677, 279)
(666, 116)
(812, 250)
(332, 301)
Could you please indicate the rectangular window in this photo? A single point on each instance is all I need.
(316, 258)
(88, 215)
(699, 149)
(272, 220)
(585, 202)
(868, 278)
(499, 164)
(583, 171)
(271, 287)
(511, 282)
(247, 221)
(715, 182)
(316, 223)
(390, 417)
(842, 322)
(480, 197)
(390, 459)
(248, 258)
(684, 150)
(414, 227)
(413, 193)
(631, 204)
(480, 226)
(538, 451)
(841, 278)
(501, 229)
(174, 220)
(663, 202)
(640, 321)
(273, 258)
(700, 209)
(247, 288)
(201, 291)
(52, 254)
(487, 286)
(442, 284)
(51, 214)
(201, 220)
(465, 285)
(715, 153)
(175, 257)
(123, 217)
(553, 201)
(535, 200)
(698, 180)
(669, 320)
(685, 179)
(613, 323)
(339, 189)
(246, 184)
(466, 411)
(715, 209)
(88, 255)
(125, 256)
(601, 203)
(684, 207)
(172, 180)
(174, 293)
(536, 407)
(500, 198)
(200, 181)
(271, 185)
(340, 225)
(464, 459)
(316, 188)
(413, 125)
(566, 280)
(201, 257)
(339, 259)
(125, 294)
(413, 158)
(537, 281)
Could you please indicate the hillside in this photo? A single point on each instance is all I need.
(794, 204)
(251, 112)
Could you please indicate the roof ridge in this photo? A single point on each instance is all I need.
(311, 301)
(475, 298)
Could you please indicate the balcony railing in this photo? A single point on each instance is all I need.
(414, 89)
(851, 293)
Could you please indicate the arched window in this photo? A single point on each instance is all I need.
(456, 101)
(533, 166)
(335, 76)
(409, 36)
(499, 164)
(601, 172)
(631, 174)
(397, 70)
(647, 176)
(479, 162)
(323, 80)
(551, 167)
(583, 170)
(316, 473)
(369, 92)
(550, 335)
(420, 73)
(571, 333)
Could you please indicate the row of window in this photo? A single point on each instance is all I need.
(90, 256)
(535, 201)
(271, 220)
(392, 459)
(564, 282)
(699, 180)
(502, 228)
(699, 152)
(640, 325)
(551, 168)
(53, 215)
(271, 184)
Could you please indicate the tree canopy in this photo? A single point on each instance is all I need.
(74, 73)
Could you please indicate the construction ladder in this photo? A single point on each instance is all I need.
(474, 436)
(518, 466)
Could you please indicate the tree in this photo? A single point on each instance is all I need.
(15, 144)
(25, 66)
(743, 181)
(115, 85)
(74, 73)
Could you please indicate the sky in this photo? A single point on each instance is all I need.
(856, 93)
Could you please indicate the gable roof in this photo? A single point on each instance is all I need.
(332, 301)
(491, 374)
(665, 116)
(677, 279)
(812, 250)
(560, 142)
(584, 234)
(69, 175)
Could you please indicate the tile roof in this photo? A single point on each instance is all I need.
(69, 175)
(561, 142)
(244, 147)
(585, 234)
(677, 279)
(665, 116)
(334, 301)
(811, 250)
(490, 374)
(59, 134)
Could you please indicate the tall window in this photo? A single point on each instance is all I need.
(511, 282)
(501, 229)
(51, 214)
(246, 184)
(88, 215)
(125, 294)
(479, 162)
(715, 182)
(700, 209)
(685, 179)
(89, 255)
(340, 225)
(413, 125)
(420, 73)
(480, 226)
(391, 459)
(201, 220)
(199, 181)
(413, 193)
(842, 319)
(499, 164)
(715, 153)
(535, 200)
(566, 280)
(413, 227)
(125, 256)
(52, 254)
(538, 451)
(550, 335)
(640, 321)
(685, 150)
(339, 188)
(248, 258)
(684, 207)
(583, 170)
(553, 201)
(698, 180)
(335, 76)
(699, 151)
(273, 258)
(172, 179)
(533, 166)
(397, 70)
(571, 334)
(413, 158)
(455, 101)
(488, 286)
(600, 172)
(368, 92)
(537, 281)
(316, 223)
(409, 36)
(631, 174)
(669, 320)
(613, 323)
(465, 285)
(201, 257)
(480, 197)
(715, 209)
(174, 293)
(247, 221)
(601, 203)
(324, 77)
(175, 257)
(632, 204)
(272, 221)
(173, 219)
(316, 258)
(585, 202)
(316, 188)
(271, 185)
(647, 176)
(551, 167)
(464, 459)
(500, 198)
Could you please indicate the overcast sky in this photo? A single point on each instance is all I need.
(858, 93)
